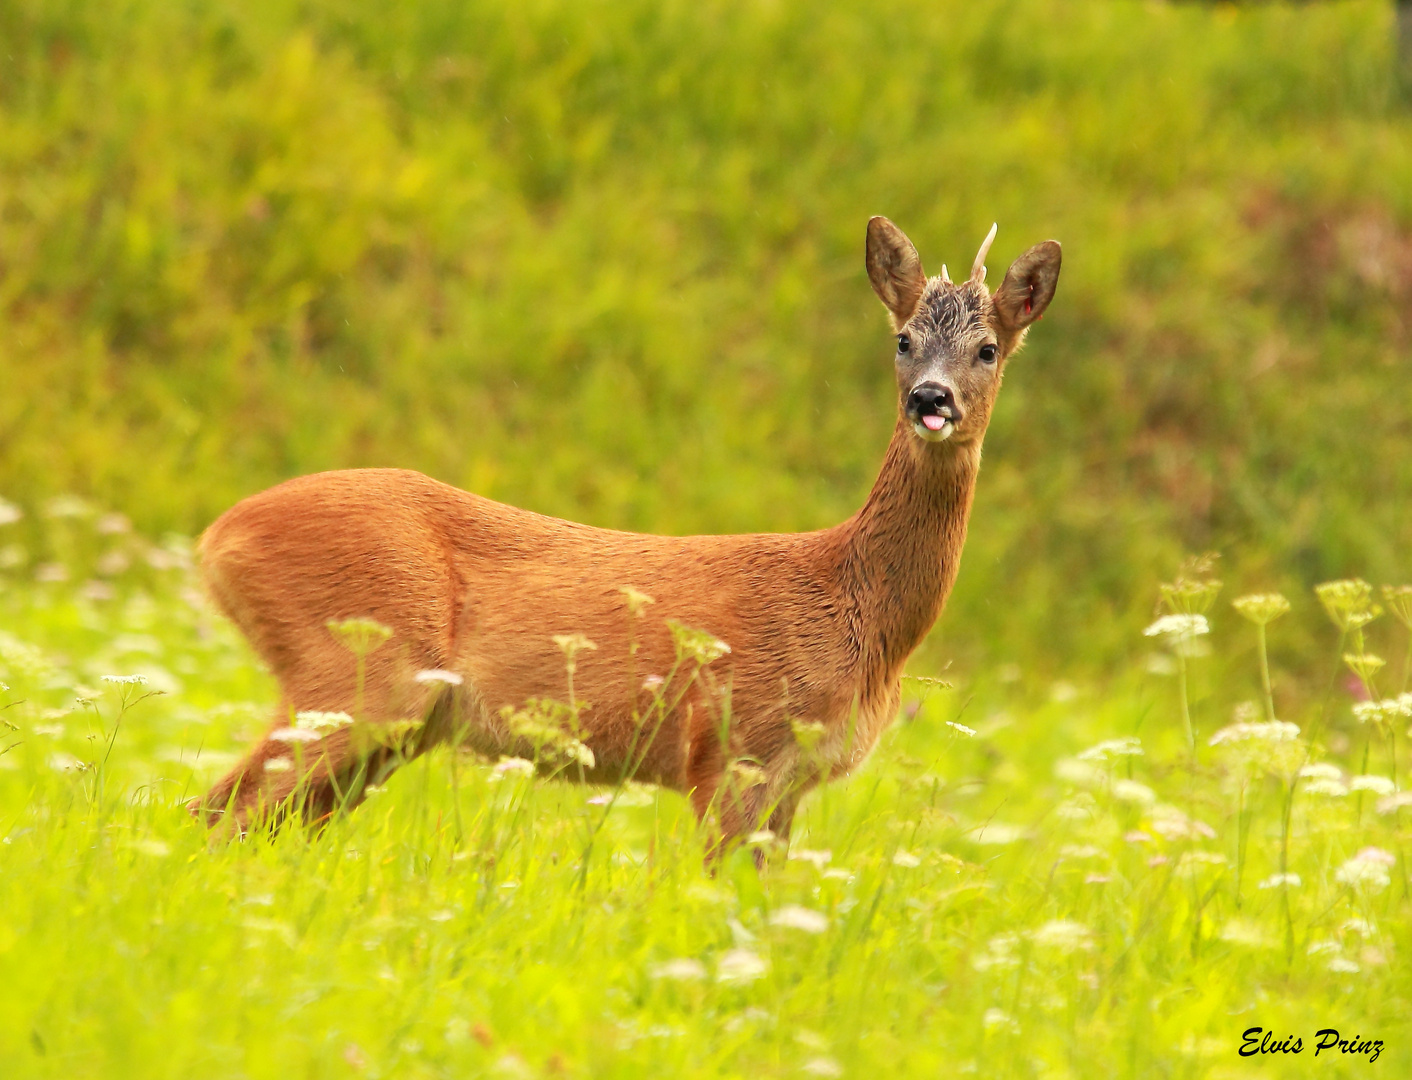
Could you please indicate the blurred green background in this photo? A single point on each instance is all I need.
(604, 260)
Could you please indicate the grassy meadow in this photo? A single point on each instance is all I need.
(604, 261)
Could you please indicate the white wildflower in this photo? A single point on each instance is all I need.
(1349, 602)
(905, 859)
(9, 513)
(278, 765)
(152, 846)
(761, 838)
(294, 735)
(795, 917)
(653, 683)
(577, 750)
(1078, 773)
(68, 506)
(1079, 807)
(1343, 965)
(1261, 608)
(512, 766)
(113, 524)
(969, 732)
(999, 1020)
(1321, 770)
(697, 645)
(1271, 747)
(1179, 627)
(1246, 932)
(126, 680)
(1384, 712)
(1333, 789)
(822, 1066)
(1282, 881)
(1112, 748)
(66, 763)
(1361, 927)
(1133, 792)
(740, 966)
(838, 873)
(1378, 785)
(359, 636)
(1393, 803)
(321, 723)
(1171, 823)
(1368, 870)
(682, 969)
(1000, 952)
(1364, 665)
(1080, 851)
(820, 859)
(1193, 861)
(997, 833)
(438, 675)
(1323, 948)
(1272, 731)
(1063, 935)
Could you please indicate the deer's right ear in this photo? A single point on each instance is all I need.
(895, 270)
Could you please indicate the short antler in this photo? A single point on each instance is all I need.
(978, 267)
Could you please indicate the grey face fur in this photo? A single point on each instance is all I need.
(949, 346)
(953, 340)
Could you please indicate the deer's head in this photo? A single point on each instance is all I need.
(953, 339)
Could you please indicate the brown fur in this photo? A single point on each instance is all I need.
(819, 624)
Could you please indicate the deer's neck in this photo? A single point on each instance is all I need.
(901, 551)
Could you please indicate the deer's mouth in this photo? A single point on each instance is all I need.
(934, 428)
(933, 423)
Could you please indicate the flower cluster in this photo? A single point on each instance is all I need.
(1261, 608)
(1367, 871)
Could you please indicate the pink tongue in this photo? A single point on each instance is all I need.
(934, 423)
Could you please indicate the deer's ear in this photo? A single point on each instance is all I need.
(1028, 287)
(894, 269)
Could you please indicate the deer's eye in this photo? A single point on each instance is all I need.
(987, 354)
(904, 343)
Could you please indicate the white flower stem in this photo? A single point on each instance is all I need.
(1265, 672)
(1284, 868)
(1186, 709)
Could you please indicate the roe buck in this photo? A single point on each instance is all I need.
(818, 624)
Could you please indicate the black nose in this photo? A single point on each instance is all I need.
(933, 399)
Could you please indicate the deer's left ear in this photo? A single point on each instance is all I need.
(1028, 287)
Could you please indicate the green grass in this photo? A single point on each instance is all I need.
(997, 904)
(604, 260)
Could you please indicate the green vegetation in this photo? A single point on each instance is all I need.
(605, 261)
(1064, 881)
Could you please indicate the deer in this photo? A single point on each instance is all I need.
(487, 607)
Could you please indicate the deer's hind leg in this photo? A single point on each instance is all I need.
(283, 779)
